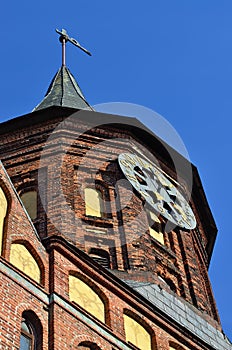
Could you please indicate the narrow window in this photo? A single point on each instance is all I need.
(29, 200)
(27, 340)
(31, 336)
(136, 333)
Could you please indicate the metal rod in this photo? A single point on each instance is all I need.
(63, 52)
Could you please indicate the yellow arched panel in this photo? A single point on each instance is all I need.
(87, 298)
(24, 261)
(136, 334)
(3, 210)
(92, 202)
(29, 200)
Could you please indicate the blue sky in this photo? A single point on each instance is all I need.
(174, 57)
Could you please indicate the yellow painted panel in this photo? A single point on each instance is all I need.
(29, 200)
(157, 235)
(24, 261)
(136, 334)
(3, 210)
(84, 296)
(92, 202)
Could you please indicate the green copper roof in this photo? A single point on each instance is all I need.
(64, 91)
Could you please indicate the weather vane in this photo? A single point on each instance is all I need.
(63, 39)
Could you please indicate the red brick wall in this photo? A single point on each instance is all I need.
(133, 252)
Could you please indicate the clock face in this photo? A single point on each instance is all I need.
(158, 191)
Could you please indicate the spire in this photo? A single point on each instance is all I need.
(64, 91)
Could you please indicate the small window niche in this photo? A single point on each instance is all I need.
(101, 256)
(29, 200)
(155, 227)
(93, 200)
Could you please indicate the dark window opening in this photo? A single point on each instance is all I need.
(101, 256)
(27, 337)
(86, 345)
(31, 337)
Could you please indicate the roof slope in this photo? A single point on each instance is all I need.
(64, 92)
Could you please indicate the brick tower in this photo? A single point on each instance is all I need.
(105, 234)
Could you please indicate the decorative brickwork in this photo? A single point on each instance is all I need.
(162, 285)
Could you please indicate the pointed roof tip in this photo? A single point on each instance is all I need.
(64, 91)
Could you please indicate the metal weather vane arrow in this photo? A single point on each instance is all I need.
(64, 38)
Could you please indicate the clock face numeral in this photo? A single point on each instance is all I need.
(157, 190)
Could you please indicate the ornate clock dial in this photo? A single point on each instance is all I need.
(157, 190)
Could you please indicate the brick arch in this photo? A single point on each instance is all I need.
(88, 345)
(27, 186)
(32, 318)
(27, 306)
(82, 339)
(34, 254)
(97, 290)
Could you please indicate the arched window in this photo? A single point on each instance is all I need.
(93, 202)
(155, 227)
(136, 333)
(31, 337)
(24, 261)
(82, 294)
(3, 210)
(29, 200)
(27, 337)
(101, 256)
(87, 345)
